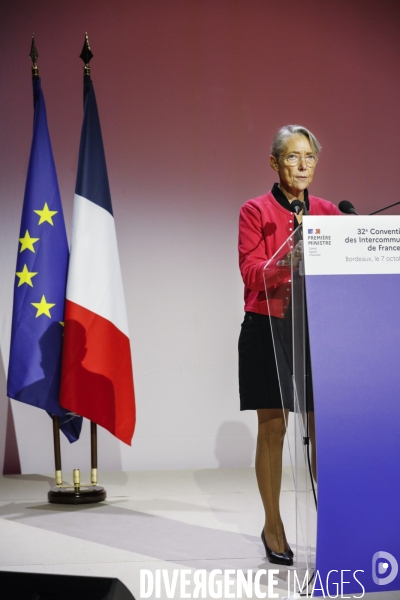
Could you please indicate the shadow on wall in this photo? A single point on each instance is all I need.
(9, 455)
(234, 445)
(234, 449)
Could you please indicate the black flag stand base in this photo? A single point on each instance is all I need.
(77, 493)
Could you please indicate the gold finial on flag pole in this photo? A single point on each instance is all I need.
(34, 56)
(86, 55)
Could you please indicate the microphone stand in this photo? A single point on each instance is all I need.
(382, 209)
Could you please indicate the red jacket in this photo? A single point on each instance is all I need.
(264, 225)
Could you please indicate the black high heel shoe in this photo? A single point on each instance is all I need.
(278, 558)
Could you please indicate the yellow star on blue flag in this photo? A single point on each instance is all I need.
(46, 215)
(25, 276)
(39, 292)
(43, 307)
(27, 242)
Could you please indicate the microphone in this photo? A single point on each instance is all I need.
(296, 206)
(346, 207)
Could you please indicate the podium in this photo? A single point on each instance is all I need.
(333, 291)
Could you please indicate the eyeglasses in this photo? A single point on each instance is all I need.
(294, 158)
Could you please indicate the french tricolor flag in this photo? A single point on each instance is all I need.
(97, 380)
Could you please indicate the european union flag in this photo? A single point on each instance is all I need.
(40, 281)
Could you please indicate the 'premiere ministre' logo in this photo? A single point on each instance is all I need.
(315, 238)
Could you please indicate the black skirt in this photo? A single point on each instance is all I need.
(259, 384)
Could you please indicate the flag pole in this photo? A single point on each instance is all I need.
(34, 55)
(78, 493)
(86, 55)
(57, 450)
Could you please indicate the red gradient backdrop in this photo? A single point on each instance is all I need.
(190, 94)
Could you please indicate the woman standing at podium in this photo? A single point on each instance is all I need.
(264, 225)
